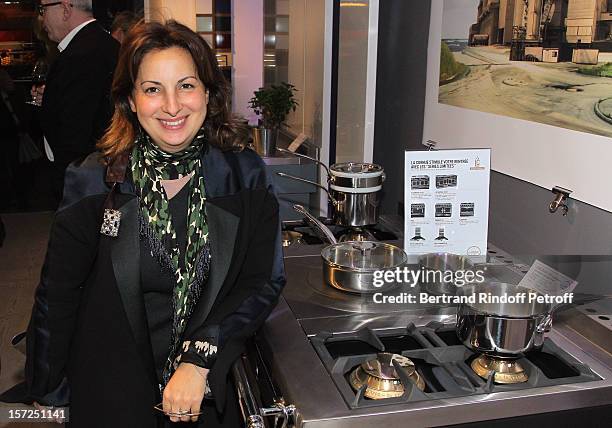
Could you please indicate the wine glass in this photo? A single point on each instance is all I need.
(39, 76)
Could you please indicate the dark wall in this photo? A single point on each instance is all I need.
(104, 10)
(403, 30)
(519, 221)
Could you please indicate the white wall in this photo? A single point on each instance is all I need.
(310, 34)
(357, 55)
(297, 43)
(247, 50)
(307, 66)
(183, 11)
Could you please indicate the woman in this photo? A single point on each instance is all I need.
(155, 304)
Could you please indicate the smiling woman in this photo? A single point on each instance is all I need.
(169, 99)
(192, 84)
(165, 254)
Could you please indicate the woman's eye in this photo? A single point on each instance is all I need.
(187, 86)
(151, 90)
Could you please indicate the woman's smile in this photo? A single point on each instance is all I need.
(174, 124)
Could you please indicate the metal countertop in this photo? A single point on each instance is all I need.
(306, 383)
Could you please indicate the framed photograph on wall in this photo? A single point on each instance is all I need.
(530, 81)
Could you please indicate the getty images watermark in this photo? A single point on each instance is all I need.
(458, 278)
(413, 277)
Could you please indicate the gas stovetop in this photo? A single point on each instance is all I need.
(317, 335)
(441, 361)
(378, 232)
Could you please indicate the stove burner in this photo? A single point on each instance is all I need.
(447, 368)
(367, 233)
(504, 370)
(381, 377)
(290, 237)
(357, 234)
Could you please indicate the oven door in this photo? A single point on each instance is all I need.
(260, 403)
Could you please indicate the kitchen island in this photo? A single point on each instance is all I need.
(317, 335)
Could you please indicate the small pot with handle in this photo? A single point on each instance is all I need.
(353, 189)
(356, 187)
(505, 330)
(355, 266)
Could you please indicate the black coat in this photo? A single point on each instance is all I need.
(76, 105)
(89, 321)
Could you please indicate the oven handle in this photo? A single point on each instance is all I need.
(252, 412)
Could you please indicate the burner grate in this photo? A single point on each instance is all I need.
(310, 237)
(442, 362)
(449, 337)
(552, 366)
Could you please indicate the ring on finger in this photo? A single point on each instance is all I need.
(159, 407)
(187, 413)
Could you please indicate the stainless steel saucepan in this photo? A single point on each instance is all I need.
(435, 265)
(353, 189)
(353, 265)
(503, 329)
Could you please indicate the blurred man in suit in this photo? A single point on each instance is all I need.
(122, 24)
(76, 106)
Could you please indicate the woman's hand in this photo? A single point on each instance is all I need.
(50, 410)
(185, 392)
(37, 93)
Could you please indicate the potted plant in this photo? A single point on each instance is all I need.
(272, 104)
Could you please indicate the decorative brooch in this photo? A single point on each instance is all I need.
(110, 222)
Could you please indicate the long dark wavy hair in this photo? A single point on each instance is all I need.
(221, 128)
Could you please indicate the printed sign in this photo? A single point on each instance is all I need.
(447, 201)
(546, 280)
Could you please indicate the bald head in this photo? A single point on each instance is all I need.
(60, 19)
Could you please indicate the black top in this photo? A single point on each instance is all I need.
(158, 284)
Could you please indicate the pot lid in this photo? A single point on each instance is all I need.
(364, 255)
(356, 169)
(382, 366)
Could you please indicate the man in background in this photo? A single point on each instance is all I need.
(122, 23)
(76, 106)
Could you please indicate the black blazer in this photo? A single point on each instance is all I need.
(76, 105)
(89, 321)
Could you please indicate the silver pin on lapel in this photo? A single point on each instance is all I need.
(111, 222)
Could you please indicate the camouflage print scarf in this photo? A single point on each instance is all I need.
(150, 165)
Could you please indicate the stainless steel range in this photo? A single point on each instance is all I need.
(334, 355)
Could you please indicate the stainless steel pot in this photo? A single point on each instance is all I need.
(352, 266)
(264, 140)
(435, 264)
(355, 187)
(502, 329)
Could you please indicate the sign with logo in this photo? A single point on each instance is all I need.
(446, 195)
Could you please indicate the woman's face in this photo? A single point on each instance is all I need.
(169, 99)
